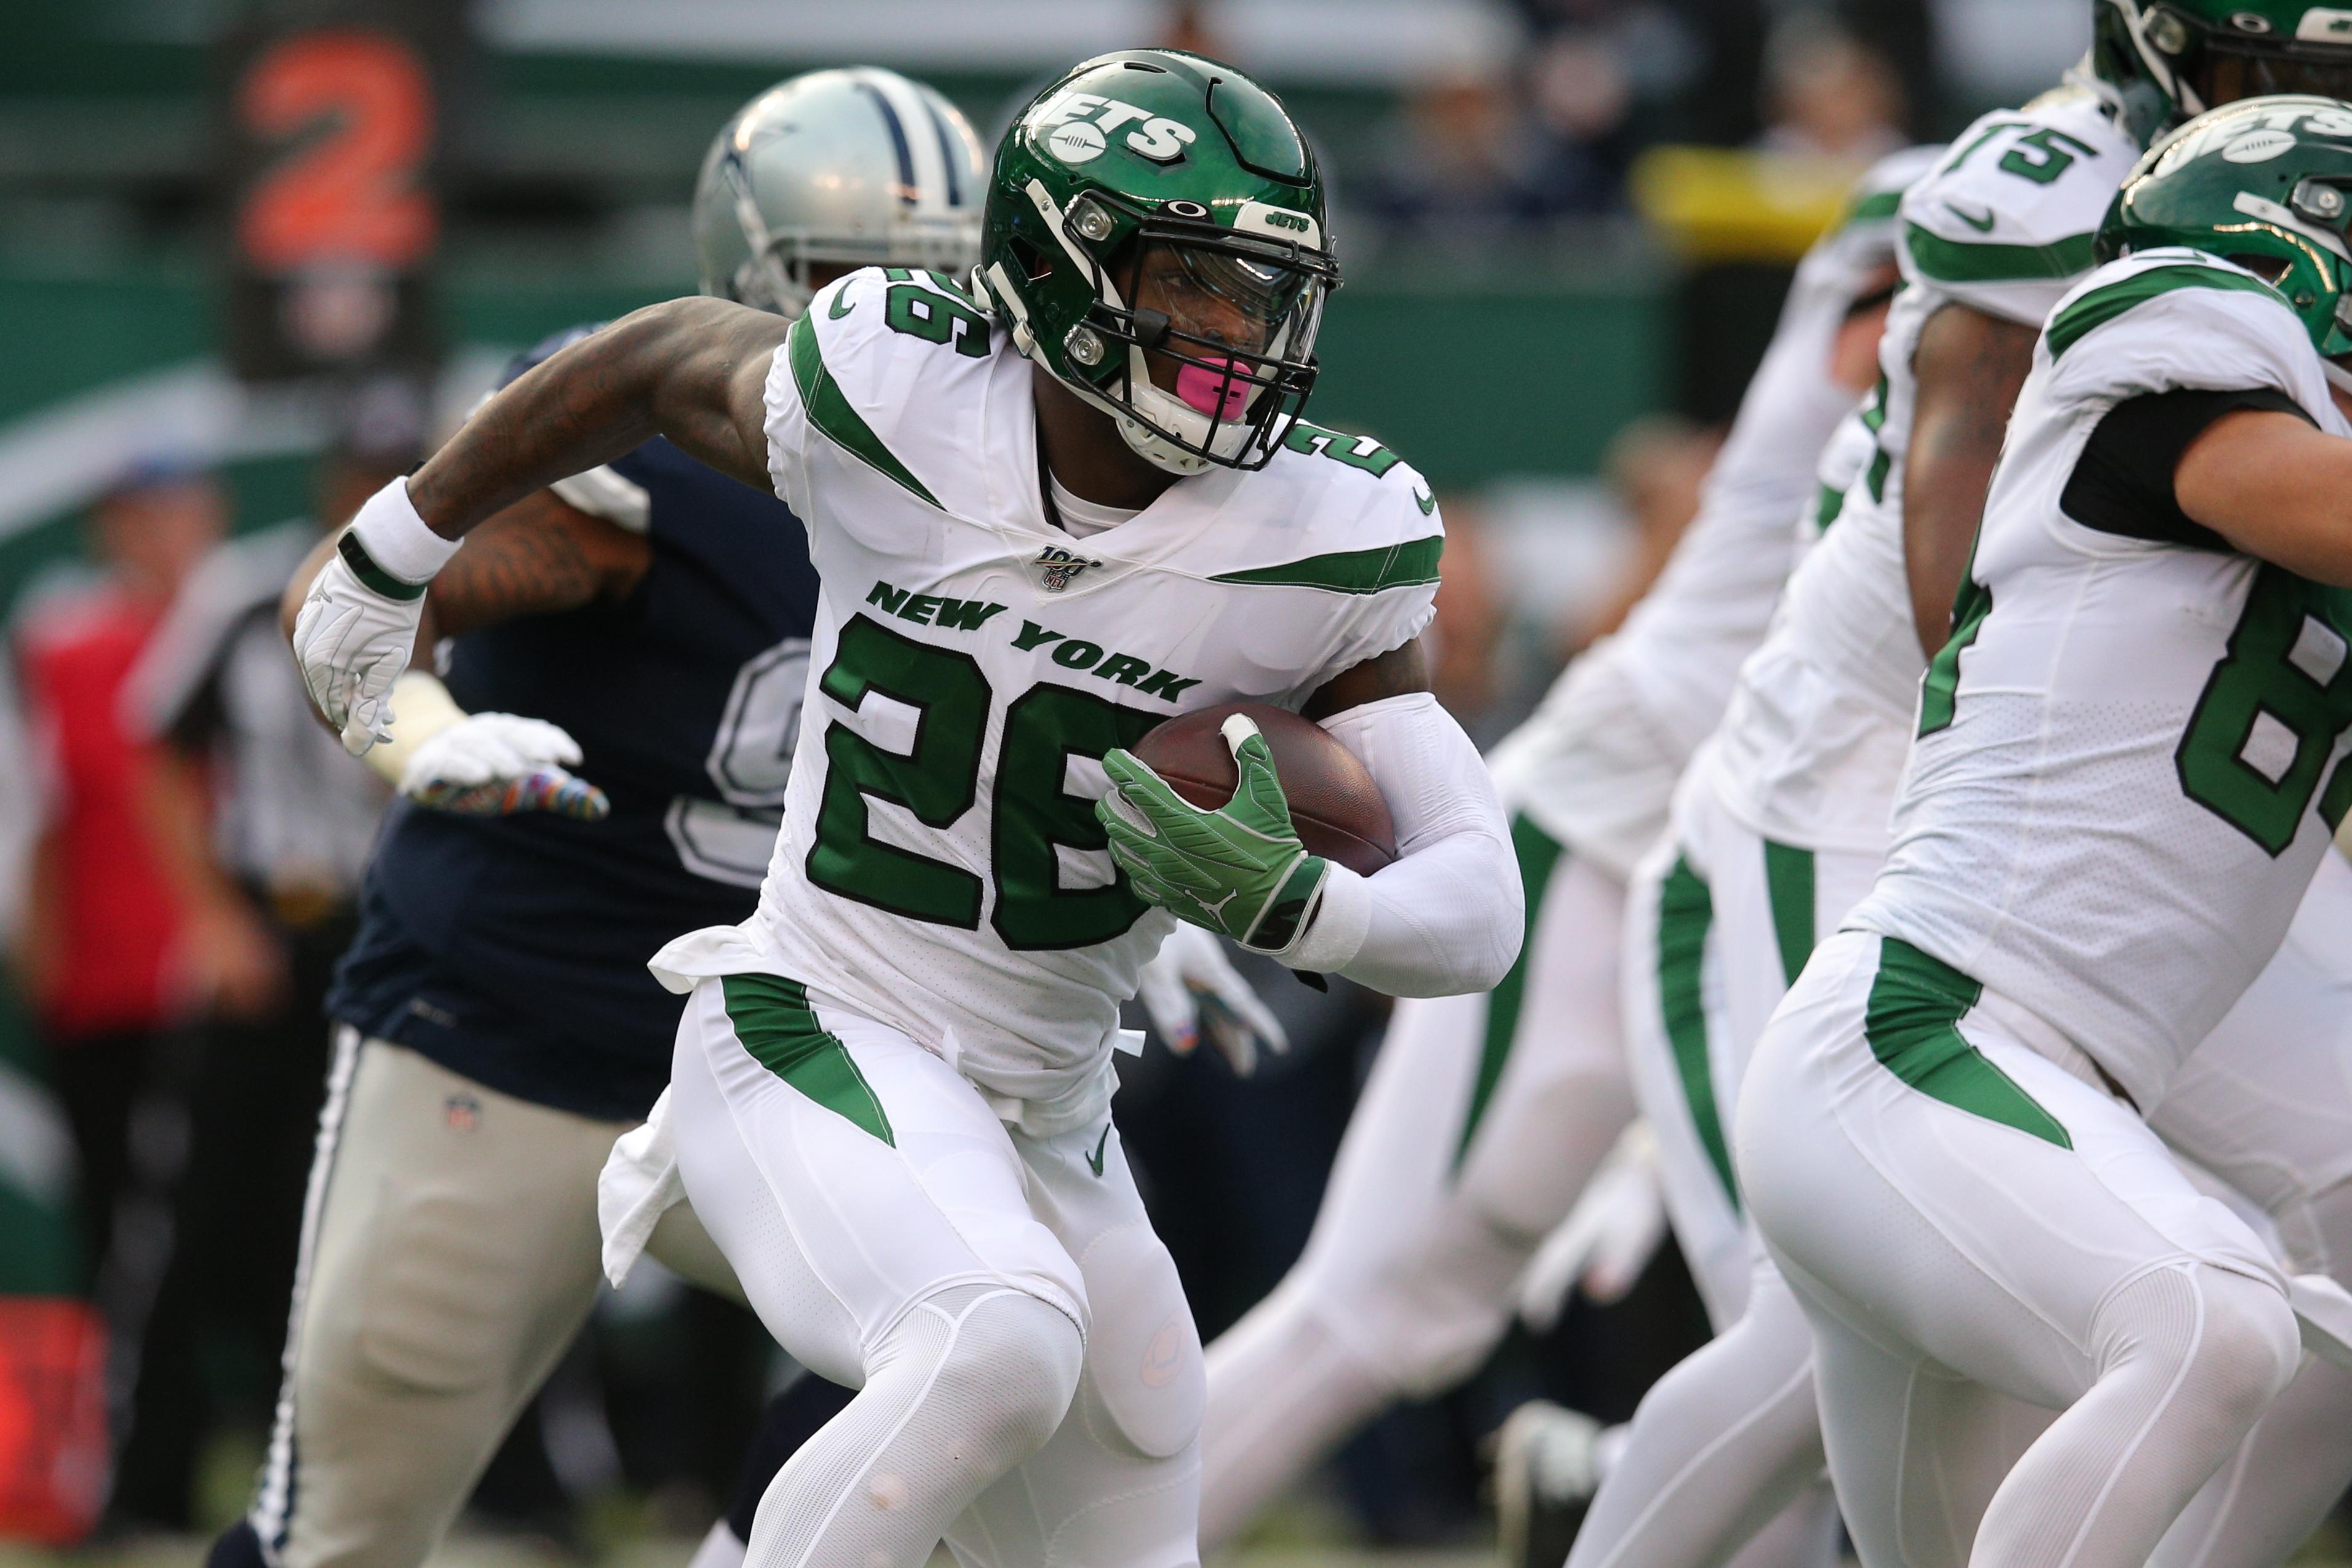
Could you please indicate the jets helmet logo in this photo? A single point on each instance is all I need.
(1057, 567)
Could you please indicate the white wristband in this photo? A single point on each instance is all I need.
(389, 530)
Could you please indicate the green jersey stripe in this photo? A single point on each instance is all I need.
(1789, 884)
(1874, 208)
(829, 411)
(1539, 855)
(2102, 305)
(1945, 260)
(774, 1019)
(1685, 912)
(1826, 510)
(1408, 565)
(1913, 1024)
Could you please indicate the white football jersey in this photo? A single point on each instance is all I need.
(1596, 765)
(1818, 726)
(940, 869)
(2132, 754)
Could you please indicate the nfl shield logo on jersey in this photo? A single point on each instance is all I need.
(1057, 567)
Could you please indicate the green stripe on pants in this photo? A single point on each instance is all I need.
(1686, 911)
(1538, 855)
(1789, 882)
(1913, 1024)
(774, 1019)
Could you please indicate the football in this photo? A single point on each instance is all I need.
(1334, 802)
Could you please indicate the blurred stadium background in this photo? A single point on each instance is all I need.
(233, 237)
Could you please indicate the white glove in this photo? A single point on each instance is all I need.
(1191, 967)
(496, 764)
(359, 620)
(1607, 1239)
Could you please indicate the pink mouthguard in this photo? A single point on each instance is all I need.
(1204, 387)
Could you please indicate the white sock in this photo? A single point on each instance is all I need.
(719, 1549)
(1724, 1442)
(1283, 1393)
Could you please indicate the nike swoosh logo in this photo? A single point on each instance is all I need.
(1983, 226)
(842, 305)
(1094, 1160)
(1425, 501)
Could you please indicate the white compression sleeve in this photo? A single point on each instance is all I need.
(1447, 917)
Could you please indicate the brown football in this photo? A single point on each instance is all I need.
(1334, 802)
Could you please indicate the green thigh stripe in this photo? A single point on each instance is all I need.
(1686, 911)
(1538, 855)
(1917, 1003)
(1789, 882)
(774, 1019)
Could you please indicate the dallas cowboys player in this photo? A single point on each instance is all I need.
(496, 1029)
(1046, 516)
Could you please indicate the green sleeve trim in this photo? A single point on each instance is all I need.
(2102, 305)
(1789, 884)
(1955, 261)
(1409, 565)
(772, 1017)
(1685, 913)
(1913, 1024)
(829, 411)
(1539, 855)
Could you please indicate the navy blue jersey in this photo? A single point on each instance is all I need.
(512, 949)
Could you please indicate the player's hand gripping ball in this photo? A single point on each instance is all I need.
(1230, 856)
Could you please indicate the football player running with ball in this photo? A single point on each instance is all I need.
(1046, 515)
(2131, 762)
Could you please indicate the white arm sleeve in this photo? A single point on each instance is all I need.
(1447, 918)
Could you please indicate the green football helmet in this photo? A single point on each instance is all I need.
(1154, 241)
(2170, 59)
(2265, 183)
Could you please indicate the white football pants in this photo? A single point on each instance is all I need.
(899, 1239)
(1719, 922)
(1960, 1215)
(1483, 1119)
(2265, 1103)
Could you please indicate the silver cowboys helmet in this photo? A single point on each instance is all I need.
(852, 167)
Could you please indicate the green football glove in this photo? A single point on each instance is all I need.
(1240, 869)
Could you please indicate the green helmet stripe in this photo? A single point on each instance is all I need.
(829, 411)
(1955, 261)
(1409, 565)
(2100, 305)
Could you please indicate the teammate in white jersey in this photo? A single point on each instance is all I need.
(1047, 515)
(1485, 1116)
(1780, 826)
(2131, 762)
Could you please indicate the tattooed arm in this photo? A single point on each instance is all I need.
(538, 557)
(1969, 367)
(693, 369)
